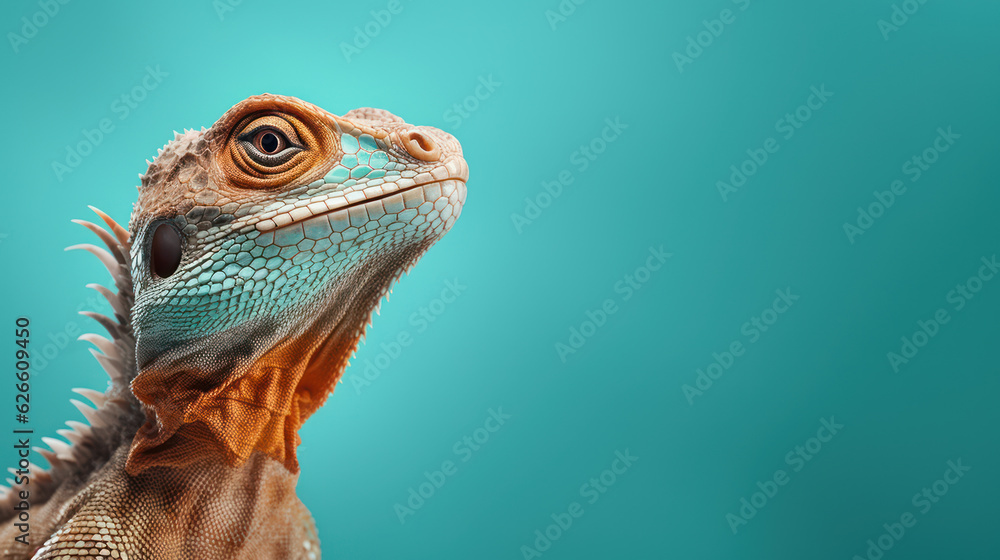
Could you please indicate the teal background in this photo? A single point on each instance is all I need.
(655, 185)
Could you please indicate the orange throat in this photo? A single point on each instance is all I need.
(193, 415)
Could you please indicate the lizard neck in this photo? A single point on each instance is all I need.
(203, 510)
(251, 400)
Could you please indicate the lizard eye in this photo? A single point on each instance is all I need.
(268, 146)
(165, 250)
(270, 143)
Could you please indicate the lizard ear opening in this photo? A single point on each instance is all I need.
(165, 250)
(271, 144)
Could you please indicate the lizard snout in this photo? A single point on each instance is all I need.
(433, 145)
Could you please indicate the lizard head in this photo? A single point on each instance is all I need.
(261, 247)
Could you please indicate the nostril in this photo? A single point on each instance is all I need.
(421, 146)
(422, 141)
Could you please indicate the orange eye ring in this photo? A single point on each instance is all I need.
(275, 148)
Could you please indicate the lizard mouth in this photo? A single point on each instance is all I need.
(378, 198)
(306, 213)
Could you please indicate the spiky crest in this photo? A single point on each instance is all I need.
(89, 445)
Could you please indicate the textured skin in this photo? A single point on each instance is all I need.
(190, 454)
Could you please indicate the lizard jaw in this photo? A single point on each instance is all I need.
(390, 203)
(294, 359)
(455, 169)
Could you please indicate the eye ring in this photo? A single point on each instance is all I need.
(308, 137)
(268, 146)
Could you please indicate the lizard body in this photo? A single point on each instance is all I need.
(255, 256)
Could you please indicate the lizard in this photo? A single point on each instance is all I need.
(255, 256)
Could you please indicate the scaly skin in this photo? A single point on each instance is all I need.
(259, 249)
